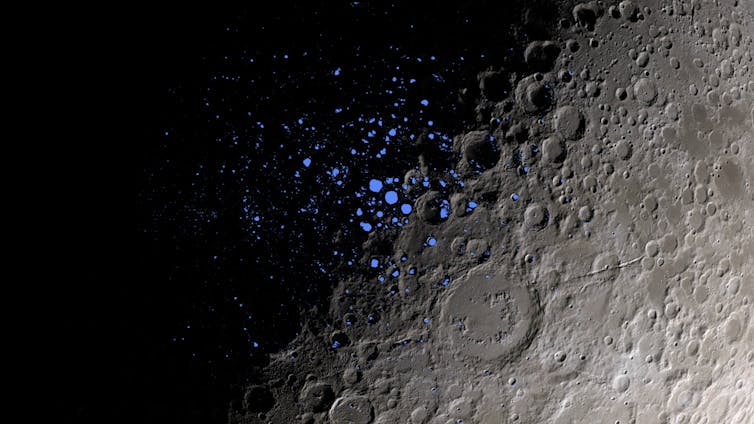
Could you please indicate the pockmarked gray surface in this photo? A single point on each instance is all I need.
(596, 264)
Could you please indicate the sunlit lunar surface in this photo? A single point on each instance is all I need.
(596, 264)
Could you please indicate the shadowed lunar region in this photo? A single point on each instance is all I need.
(553, 228)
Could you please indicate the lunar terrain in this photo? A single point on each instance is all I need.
(595, 266)
(582, 253)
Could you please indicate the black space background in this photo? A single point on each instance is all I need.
(114, 310)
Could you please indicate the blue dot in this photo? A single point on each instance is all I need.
(392, 132)
(375, 185)
(374, 263)
(256, 344)
(432, 241)
(307, 162)
(406, 208)
(426, 320)
(514, 196)
(366, 226)
(472, 204)
(336, 72)
(425, 102)
(391, 197)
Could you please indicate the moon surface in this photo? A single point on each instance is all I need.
(586, 256)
